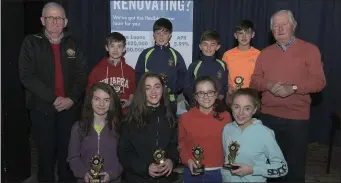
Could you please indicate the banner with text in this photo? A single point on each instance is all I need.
(135, 19)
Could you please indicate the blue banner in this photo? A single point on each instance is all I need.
(135, 19)
(141, 15)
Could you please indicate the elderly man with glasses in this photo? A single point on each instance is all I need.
(52, 68)
(286, 73)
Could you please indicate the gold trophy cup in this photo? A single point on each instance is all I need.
(233, 152)
(239, 81)
(159, 156)
(96, 163)
(198, 153)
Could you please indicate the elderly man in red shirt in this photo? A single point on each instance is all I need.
(286, 73)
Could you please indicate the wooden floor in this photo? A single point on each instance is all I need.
(315, 170)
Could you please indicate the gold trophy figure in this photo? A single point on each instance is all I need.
(118, 91)
(96, 163)
(198, 153)
(239, 81)
(233, 152)
(164, 78)
(159, 156)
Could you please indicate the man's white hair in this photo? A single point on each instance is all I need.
(288, 12)
(52, 5)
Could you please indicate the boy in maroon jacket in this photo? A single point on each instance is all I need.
(113, 70)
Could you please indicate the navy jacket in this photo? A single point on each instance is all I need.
(36, 71)
(161, 60)
(136, 146)
(209, 67)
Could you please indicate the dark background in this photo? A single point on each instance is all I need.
(318, 22)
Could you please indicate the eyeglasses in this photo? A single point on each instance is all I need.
(202, 94)
(57, 19)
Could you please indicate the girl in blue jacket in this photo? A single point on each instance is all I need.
(249, 145)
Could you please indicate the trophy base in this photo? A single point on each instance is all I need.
(199, 170)
(95, 181)
(230, 167)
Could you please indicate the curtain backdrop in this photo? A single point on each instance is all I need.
(318, 22)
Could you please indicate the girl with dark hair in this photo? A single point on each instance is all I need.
(203, 126)
(250, 146)
(149, 126)
(97, 134)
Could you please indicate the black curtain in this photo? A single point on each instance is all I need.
(89, 22)
(318, 22)
(15, 154)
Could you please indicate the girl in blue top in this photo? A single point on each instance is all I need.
(249, 145)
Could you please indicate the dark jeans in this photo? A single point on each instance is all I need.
(292, 138)
(51, 133)
(213, 176)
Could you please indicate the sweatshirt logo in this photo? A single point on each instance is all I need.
(171, 62)
(219, 74)
(118, 83)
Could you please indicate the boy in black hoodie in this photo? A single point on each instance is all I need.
(164, 60)
(149, 126)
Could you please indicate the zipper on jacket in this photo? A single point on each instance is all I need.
(157, 132)
(98, 139)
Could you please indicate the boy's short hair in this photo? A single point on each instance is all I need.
(163, 24)
(115, 37)
(244, 25)
(210, 35)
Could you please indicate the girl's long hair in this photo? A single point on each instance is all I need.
(114, 114)
(138, 112)
(218, 106)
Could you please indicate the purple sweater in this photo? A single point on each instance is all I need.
(81, 149)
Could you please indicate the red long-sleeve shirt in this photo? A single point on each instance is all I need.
(59, 81)
(197, 128)
(300, 65)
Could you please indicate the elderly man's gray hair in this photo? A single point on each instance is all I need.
(52, 5)
(288, 12)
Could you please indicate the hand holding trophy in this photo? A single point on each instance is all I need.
(159, 159)
(96, 163)
(198, 153)
(233, 152)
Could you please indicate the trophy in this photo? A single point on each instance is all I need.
(198, 153)
(164, 78)
(96, 163)
(117, 89)
(233, 152)
(159, 156)
(239, 81)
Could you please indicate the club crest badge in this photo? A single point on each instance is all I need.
(219, 74)
(171, 63)
(70, 52)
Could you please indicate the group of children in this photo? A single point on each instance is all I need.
(125, 124)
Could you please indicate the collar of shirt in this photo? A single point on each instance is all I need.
(286, 46)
